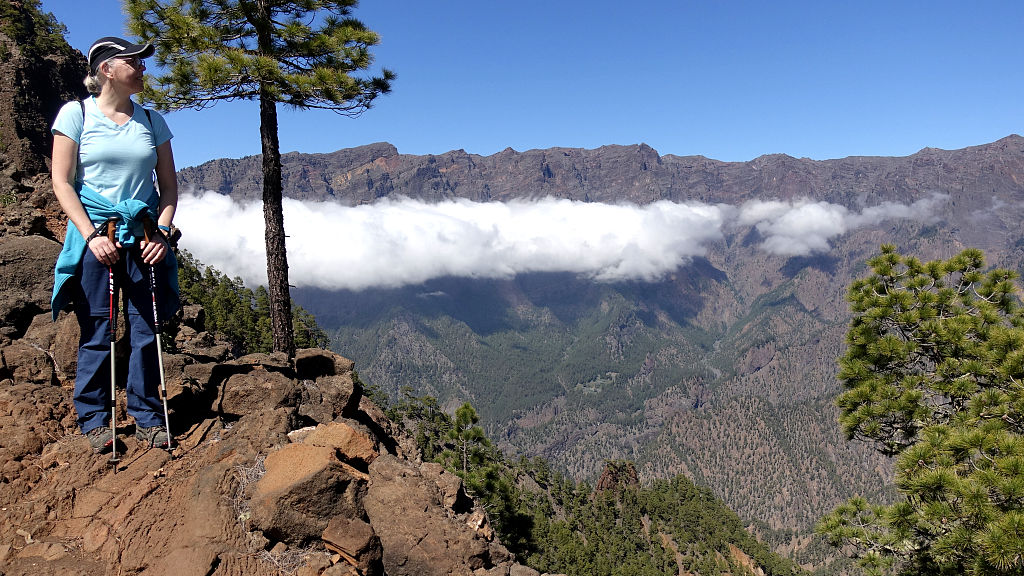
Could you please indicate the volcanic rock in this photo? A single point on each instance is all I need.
(417, 545)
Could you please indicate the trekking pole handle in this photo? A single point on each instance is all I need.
(148, 229)
(111, 231)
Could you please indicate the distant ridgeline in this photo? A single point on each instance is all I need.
(616, 174)
(724, 371)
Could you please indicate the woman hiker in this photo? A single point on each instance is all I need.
(105, 149)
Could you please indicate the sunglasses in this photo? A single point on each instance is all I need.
(133, 61)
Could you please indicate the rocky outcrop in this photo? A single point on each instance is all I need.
(429, 532)
(617, 474)
(42, 73)
(254, 485)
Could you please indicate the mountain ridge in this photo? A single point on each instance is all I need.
(367, 173)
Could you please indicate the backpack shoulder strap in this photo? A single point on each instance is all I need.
(149, 119)
(79, 147)
(152, 135)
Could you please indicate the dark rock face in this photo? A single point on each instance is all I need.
(617, 474)
(43, 73)
(26, 280)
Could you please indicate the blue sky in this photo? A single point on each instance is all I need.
(729, 80)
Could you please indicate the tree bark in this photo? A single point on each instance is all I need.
(273, 216)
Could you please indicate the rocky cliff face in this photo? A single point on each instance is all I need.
(617, 174)
(280, 467)
(42, 73)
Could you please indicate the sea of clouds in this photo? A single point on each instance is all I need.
(400, 242)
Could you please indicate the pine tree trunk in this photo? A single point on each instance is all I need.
(273, 215)
(465, 456)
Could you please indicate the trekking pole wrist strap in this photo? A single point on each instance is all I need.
(98, 231)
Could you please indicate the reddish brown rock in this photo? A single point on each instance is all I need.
(312, 363)
(356, 542)
(427, 532)
(26, 363)
(256, 391)
(352, 445)
(303, 488)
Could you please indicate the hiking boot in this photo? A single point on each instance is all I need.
(153, 437)
(101, 439)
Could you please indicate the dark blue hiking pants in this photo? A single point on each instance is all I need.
(92, 380)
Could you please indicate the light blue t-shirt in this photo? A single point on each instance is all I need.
(115, 161)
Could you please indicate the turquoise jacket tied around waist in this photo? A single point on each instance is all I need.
(130, 215)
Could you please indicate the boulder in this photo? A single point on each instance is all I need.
(256, 391)
(60, 339)
(65, 347)
(420, 536)
(201, 345)
(356, 542)
(312, 363)
(452, 491)
(194, 316)
(394, 439)
(352, 445)
(303, 488)
(26, 279)
(24, 362)
(327, 397)
(42, 331)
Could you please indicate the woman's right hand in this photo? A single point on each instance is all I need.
(104, 250)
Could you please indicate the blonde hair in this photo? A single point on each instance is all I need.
(92, 84)
(94, 81)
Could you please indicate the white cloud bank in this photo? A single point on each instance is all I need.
(399, 242)
(805, 227)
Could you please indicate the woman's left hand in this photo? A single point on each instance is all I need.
(155, 250)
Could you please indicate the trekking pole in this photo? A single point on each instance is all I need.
(112, 320)
(149, 230)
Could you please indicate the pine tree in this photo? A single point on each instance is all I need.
(468, 436)
(933, 376)
(238, 314)
(300, 53)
